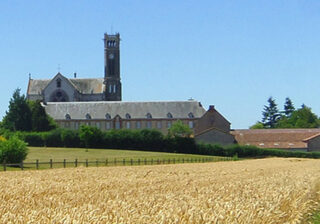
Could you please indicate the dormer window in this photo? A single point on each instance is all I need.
(149, 116)
(190, 115)
(128, 116)
(108, 116)
(58, 83)
(68, 117)
(88, 116)
(169, 115)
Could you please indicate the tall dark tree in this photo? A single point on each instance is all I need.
(288, 107)
(18, 117)
(40, 120)
(270, 114)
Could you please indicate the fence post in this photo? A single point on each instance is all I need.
(86, 162)
(131, 162)
(50, 163)
(64, 163)
(182, 160)
(151, 161)
(4, 165)
(115, 161)
(106, 162)
(145, 161)
(76, 162)
(138, 161)
(97, 163)
(168, 161)
(124, 162)
(37, 164)
(21, 165)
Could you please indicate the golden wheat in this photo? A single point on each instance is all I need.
(253, 191)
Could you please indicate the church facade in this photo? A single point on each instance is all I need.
(98, 102)
(62, 89)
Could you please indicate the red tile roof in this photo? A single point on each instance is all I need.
(275, 138)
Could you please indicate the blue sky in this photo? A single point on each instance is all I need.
(231, 54)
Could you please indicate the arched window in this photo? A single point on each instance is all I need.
(88, 116)
(68, 117)
(58, 83)
(169, 115)
(128, 116)
(190, 115)
(149, 116)
(108, 116)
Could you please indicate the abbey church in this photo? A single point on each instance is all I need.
(62, 89)
(72, 102)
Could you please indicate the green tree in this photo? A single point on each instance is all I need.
(178, 129)
(301, 118)
(257, 125)
(90, 136)
(13, 150)
(18, 118)
(288, 107)
(40, 119)
(270, 114)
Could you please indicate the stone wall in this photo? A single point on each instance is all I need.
(215, 136)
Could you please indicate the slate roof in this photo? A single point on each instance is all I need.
(275, 138)
(99, 109)
(84, 86)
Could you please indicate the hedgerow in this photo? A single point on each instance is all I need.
(143, 140)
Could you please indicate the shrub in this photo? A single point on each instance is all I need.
(52, 138)
(91, 137)
(13, 150)
(70, 138)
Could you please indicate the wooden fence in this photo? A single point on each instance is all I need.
(113, 162)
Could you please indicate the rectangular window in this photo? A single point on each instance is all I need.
(110, 88)
(159, 125)
(76, 125)
(169, 124)
(117, 124)
(138, 124)
(114, 88)
(98, 125)
(108, 125)
(191, 124)
(149, 124)
(128, 125)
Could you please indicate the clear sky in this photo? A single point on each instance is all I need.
(232, 54)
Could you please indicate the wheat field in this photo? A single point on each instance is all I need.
(253, 191)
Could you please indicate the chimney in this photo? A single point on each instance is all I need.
(75, 75)
(211, 107)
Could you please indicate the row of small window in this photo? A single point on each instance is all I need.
(128, 116)
(128, 125)
(111, 43)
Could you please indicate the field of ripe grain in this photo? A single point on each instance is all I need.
(251, 191)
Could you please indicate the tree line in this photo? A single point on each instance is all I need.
(290, 117)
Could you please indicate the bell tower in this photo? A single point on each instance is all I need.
(112, 67)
